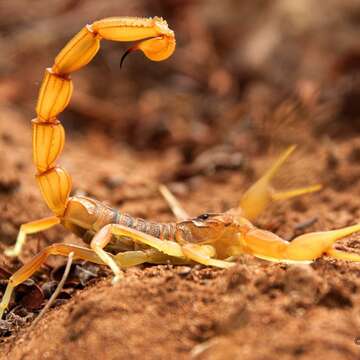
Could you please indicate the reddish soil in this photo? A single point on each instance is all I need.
(247, 79)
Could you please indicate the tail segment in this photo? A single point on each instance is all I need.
(57, 87)
(48, 141)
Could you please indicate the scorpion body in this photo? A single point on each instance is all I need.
(103, 215)
(119, 240)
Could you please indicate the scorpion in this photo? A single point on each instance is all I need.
(119, 240)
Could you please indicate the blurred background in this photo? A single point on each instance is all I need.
(246, 75)
(237, 63)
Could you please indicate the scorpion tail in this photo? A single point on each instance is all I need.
(157, 43)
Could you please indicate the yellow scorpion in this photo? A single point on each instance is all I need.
(118, 240)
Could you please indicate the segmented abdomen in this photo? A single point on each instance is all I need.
(164, 231)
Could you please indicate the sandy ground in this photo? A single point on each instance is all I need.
(206, 123)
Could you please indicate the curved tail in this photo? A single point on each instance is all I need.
(157, 43)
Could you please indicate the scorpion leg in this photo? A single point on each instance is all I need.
(103, 237)
(27, 270)
(199, 253)
(31, 228)
(203, 254)
(167, 247)
(261, 194)
(125, 259)
(152, 256)
(98, 243)
(173, 203)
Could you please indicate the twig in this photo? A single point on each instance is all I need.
(57, 290)
(305, 224)
(175, 206)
